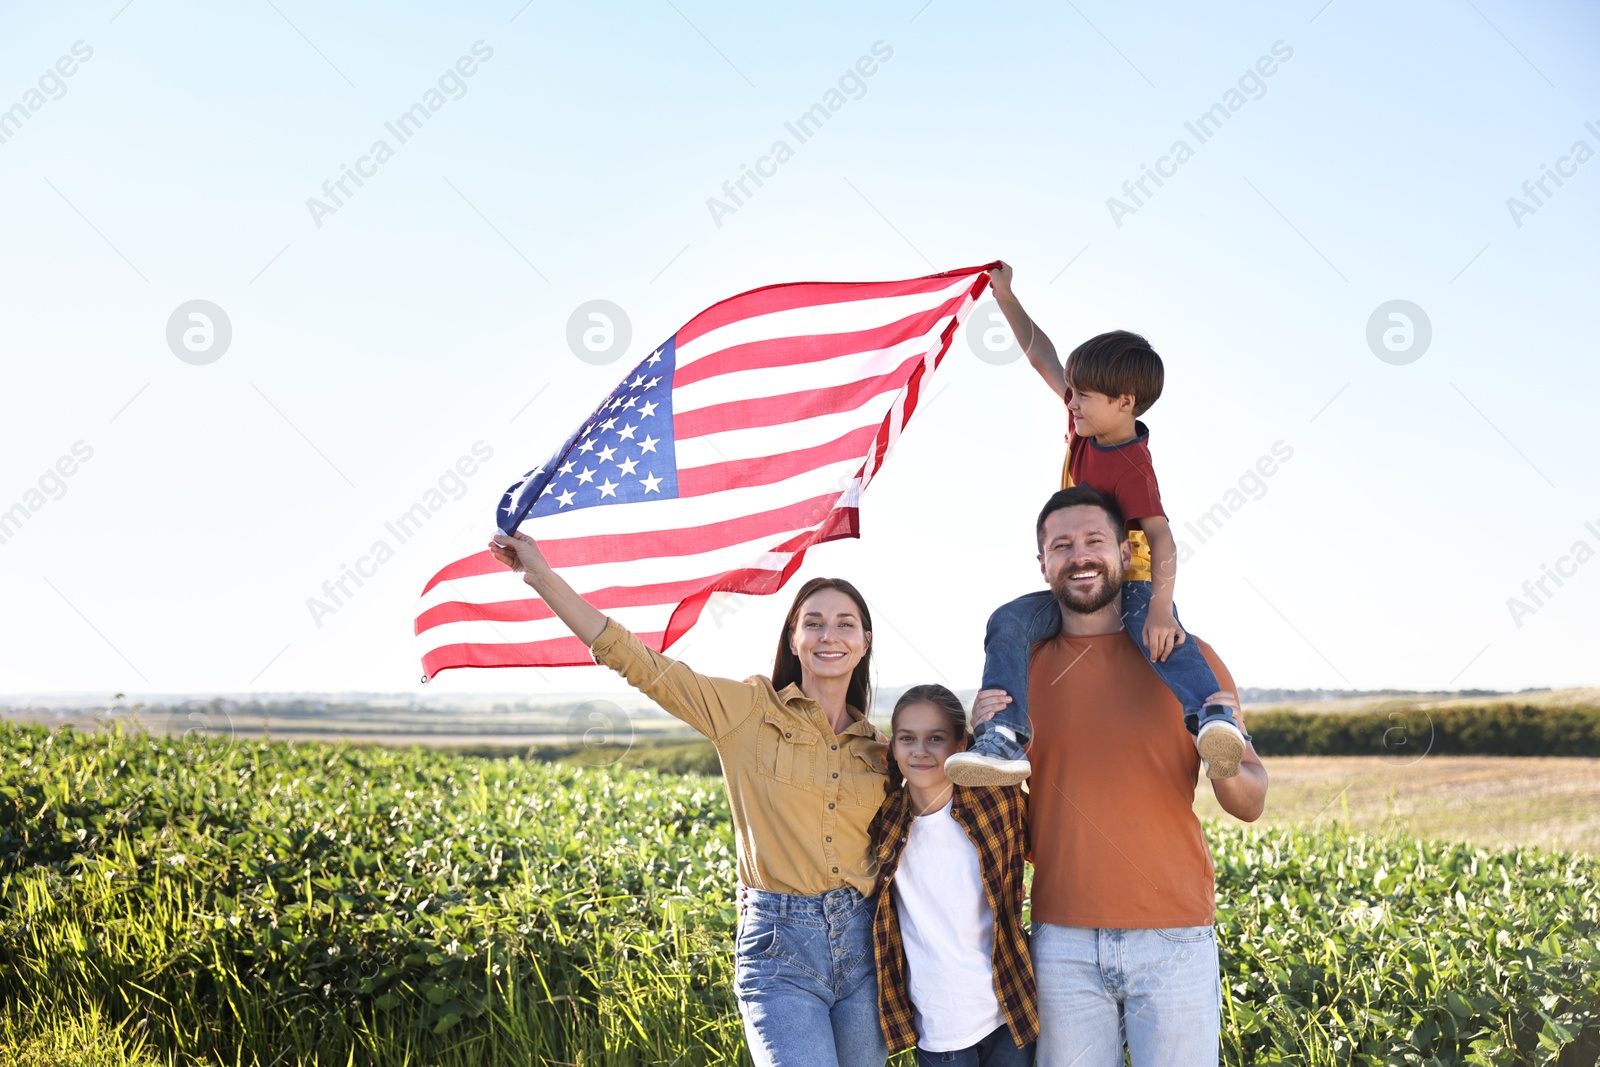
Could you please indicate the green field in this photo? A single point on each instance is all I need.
(185, 900)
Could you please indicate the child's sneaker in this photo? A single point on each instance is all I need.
(1221, 748)
(994, 759)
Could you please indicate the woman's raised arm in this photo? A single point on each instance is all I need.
(713, 706)
(520, 553)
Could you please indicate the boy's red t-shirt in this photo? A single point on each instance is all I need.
(1125, 473)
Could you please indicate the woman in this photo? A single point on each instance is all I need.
(955, 977)
(805, 772)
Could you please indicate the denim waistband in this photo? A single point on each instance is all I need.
(833, 904)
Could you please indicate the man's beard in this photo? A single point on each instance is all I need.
(1082, 602)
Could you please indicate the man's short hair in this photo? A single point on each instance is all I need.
(1115, 363)
(1080, 496)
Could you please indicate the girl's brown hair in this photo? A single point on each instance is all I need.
(786, 665)
(941, 698)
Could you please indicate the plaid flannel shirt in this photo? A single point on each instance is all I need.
(995, 819)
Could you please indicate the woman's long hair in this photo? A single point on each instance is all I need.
(786, 666)
(941, 698)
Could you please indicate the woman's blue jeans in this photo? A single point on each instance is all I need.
(805, 980)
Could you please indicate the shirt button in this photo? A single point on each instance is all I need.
(829, 838)
(836, 774)
(786, 733)
(830, 807)
(836, 748)
(836, 870)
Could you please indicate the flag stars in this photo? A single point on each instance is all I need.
(585, 476)
(652, 484)
(565, 498)
(608, 424)
(647, 410)
(648, 444)
(632, 400)
(652, 383)
(638, 382)
(626, 466)
(566, 468)
(605, 454)
(587, 445)
(606, 489)
(655, 357)
(626, 433)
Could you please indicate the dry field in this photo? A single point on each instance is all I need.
(1546, 698)
(1494, 801)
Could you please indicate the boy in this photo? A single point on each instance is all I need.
(1107, 383)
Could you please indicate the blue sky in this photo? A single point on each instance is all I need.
(374, 346)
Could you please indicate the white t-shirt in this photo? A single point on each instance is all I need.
(947, 928)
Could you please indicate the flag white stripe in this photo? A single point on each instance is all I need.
(646, 619)
(759, 441)
(636, 572)
(843, 317)
(795, 377)
(654, 516)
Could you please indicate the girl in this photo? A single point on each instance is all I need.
(805, 773)
(954, 974)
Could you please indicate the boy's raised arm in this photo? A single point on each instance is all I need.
(1035, 344)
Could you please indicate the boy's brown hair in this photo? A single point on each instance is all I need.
(1115, 363)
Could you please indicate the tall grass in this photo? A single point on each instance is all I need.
(188, 900)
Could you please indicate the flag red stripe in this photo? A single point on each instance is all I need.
(842, 522)
(571, 652)
(754, 580)
(764, 470)
(790, 295)
(532, 609)
(556, 652)
(809, 348)
(688, 540)
(788, 407)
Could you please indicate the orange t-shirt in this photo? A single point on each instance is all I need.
(1115, 839)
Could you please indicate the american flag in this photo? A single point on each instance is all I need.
(744, 439)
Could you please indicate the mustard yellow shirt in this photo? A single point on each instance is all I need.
(802, 796)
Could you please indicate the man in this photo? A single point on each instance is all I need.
(1124, 950)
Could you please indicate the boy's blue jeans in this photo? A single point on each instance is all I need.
(1016, 627)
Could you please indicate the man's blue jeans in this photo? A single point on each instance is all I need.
(1016, 627)
(805, 980)
(1156, 991)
